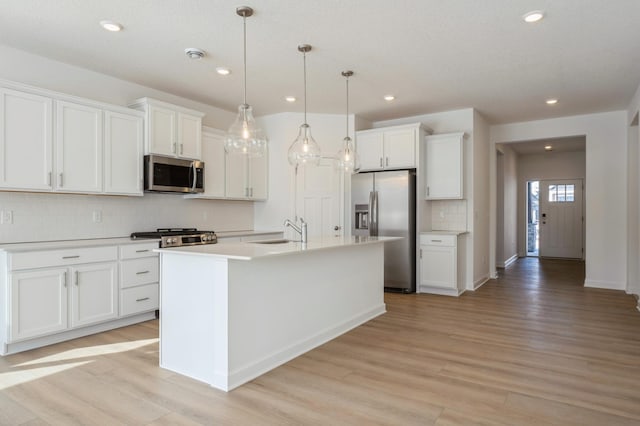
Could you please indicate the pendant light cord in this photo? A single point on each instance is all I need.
(304, 60)
(347, 106)
(244, 25)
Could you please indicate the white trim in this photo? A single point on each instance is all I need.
(506, 263)
(424, 289)
(610, 285)
(480, 282)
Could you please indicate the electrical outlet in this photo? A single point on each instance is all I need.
(6, 217)
(97, 216)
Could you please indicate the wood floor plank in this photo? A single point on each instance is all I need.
(531, 347)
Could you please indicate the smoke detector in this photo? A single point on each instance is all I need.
(194, 53)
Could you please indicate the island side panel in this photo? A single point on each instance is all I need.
(283, 306)
(193, 317)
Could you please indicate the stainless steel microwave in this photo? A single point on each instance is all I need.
(168, 174)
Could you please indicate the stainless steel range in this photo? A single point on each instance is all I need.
(178, 237)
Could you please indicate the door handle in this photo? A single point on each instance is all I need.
(195, 176)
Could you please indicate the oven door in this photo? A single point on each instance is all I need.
(167, 174)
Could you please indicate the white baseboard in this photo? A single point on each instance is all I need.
(480, 282)
(440, 291)
(507, 262)
(609, 285)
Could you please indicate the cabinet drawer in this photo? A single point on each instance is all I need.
(139, 271)
(438, 240)
(42, 259)
(134, 251)
(138, 299)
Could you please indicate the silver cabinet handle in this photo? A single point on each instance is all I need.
(70, 257)
(251, 191)
(436, 241)
(142, 272)
(60, 181)
(181, 149)
(420, 253)
(173, 147)
(64, 278)
(387, 161)
(427, 191)
(142, 251)
(142, 299)
(49, 179)
(380, 161)
(76, 278)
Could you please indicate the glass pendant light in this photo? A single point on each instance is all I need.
(348, 160)
(244, 136)
(304, 150)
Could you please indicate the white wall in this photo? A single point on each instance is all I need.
(507, 206)
(58, 216)
(633, 193)
(606, 182)
(546, 166)
(327, 129)
(23, 67)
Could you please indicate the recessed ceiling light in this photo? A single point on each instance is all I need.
(290, 98)
(111, 26)
(223, 71)
(548, 148)
(551, 101)
(533, 16)
(194, 53)
(389, 98)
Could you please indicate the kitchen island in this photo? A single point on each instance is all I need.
(231, 312)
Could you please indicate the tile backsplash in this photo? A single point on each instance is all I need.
(449, 215)
(50, 217)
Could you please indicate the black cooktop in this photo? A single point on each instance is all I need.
(165, 232)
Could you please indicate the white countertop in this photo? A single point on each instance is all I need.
(443, 232)
(254, 250)
(53, 245)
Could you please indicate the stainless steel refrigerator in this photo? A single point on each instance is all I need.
(384, 204)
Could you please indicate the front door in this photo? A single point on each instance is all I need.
(319, 198)
(561, 218)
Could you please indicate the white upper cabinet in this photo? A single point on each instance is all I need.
(444, 166)
(26, 140)
(214, 165)
(171, 129)
(123, 138)
(389, 147)
(246, 177)
(54, 142)
(78, 145)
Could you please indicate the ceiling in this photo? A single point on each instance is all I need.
(433, 55)
(567, 144)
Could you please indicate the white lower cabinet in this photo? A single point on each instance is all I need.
(139, 275)
(94, 293)
(58, 294)
(38, 303)
(441, 270)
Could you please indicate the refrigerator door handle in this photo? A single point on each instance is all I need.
(373, 208)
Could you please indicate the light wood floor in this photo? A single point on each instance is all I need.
(533, 347)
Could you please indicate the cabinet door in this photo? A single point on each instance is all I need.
(444, 167)
(162, 131)
(38, 303)
(236, 169)
(189, 136)
(370, 150)
(214, 165)
(438, 266)
(26, 141)
(400, 148)
(78, 148)
(259, 177)
(94, 293)
(123, 138)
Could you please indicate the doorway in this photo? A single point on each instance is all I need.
(533, 216)
(561, 219)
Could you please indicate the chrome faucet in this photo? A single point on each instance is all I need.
(302, 229)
